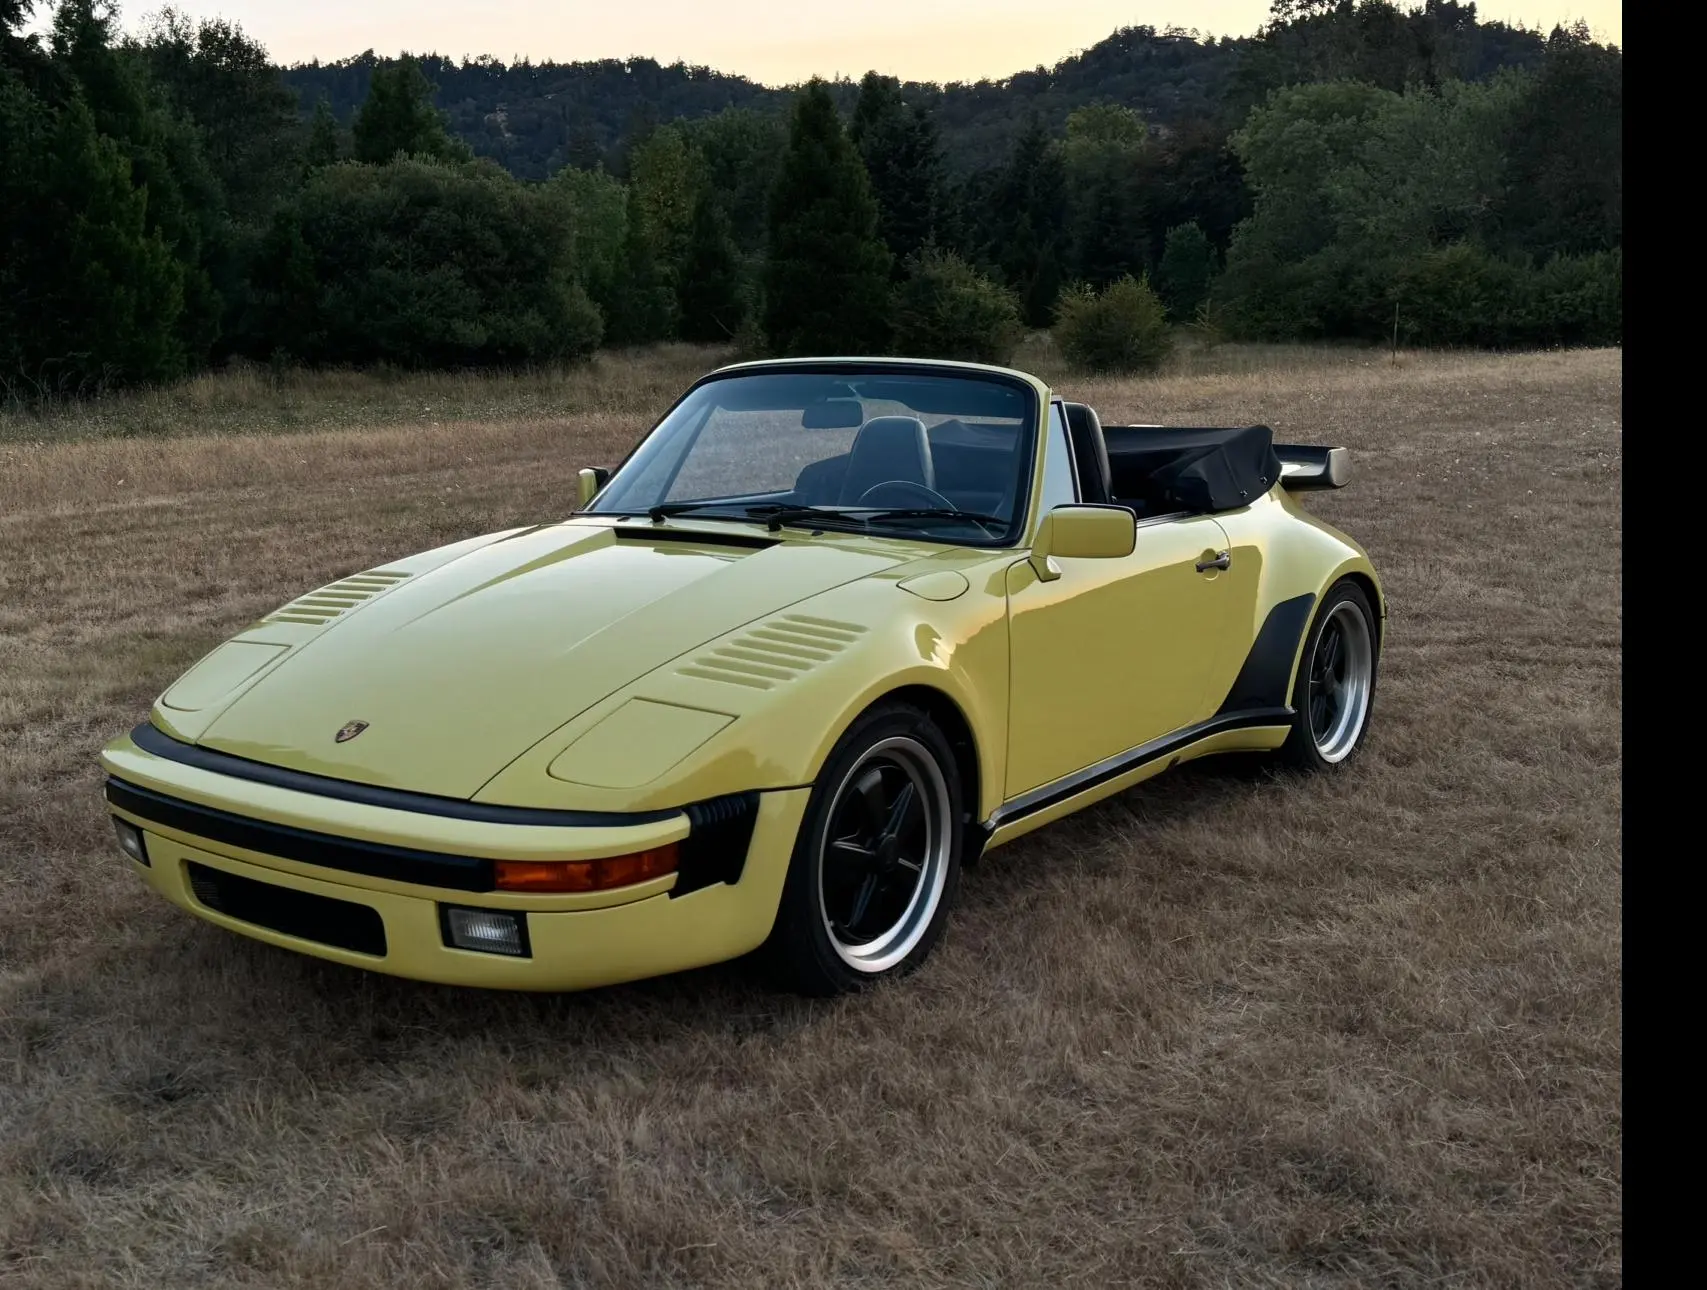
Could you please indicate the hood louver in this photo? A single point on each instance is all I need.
(773, 653)
(322, 606)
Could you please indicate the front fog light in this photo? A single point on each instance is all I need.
(130, 840)
(489, 931)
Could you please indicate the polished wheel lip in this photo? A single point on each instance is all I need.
(893, 945)
(1343, 660)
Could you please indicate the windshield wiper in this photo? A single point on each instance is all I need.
(936, 513)
(661, 512)
(776, 514)
(664, 510)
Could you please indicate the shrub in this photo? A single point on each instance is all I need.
(1575, 300)
(947, 309)
(1122, 329)
(1462, 295)
(1457, 295)
(423, 264)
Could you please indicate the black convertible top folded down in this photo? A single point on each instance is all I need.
(1198, 469)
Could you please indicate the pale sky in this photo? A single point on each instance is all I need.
(774, 41)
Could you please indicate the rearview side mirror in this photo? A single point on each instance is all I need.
(588, 483)
(1082, 533)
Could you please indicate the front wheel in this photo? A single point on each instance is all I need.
(877, 861)
(1335, 691)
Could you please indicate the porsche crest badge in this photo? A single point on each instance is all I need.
(349, 730)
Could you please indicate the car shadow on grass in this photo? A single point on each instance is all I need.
(176, 1001)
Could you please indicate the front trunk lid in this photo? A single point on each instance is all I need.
(457, 671)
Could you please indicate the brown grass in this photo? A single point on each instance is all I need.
(1228, 1029)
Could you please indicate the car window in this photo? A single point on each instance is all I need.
(858, 445)
(1059, 486)
(739, 452)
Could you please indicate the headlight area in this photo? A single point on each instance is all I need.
(504, 931)
(131, 841)
(486, 931)
(585, 875)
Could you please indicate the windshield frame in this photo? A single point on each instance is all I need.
(1019, 525)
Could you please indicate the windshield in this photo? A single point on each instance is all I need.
(888, 450)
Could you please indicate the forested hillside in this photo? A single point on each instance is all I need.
(536, 118)
(169, 199)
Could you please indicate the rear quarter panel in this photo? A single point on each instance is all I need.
(1295, 554)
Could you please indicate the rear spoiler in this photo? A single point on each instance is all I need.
(1307, 465)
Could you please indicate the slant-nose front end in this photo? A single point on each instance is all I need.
(440, 889)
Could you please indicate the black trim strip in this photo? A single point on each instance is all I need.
(1265, 680)
(715, 849)
(375, 859)
(324, 920)
(1047, 795)
(152, 739)
(700, 537)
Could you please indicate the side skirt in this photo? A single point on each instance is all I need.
(1156, 755)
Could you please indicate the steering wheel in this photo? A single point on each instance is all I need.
(902, 493)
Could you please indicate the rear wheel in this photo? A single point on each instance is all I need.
(877, 861)
(1334, 694)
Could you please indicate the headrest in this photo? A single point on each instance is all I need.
(888, 448)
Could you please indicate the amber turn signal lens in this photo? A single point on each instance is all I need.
(586, 875)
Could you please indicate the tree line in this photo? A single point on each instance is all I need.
(166, 204)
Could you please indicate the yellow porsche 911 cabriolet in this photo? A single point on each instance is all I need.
(833, 629)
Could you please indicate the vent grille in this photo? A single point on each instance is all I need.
(775, 653)
(323, 606)
(323, 919)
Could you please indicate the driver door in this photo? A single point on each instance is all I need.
(1114, 653)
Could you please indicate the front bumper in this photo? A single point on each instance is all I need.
(192, 817)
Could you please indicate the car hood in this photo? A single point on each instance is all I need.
(458, 670)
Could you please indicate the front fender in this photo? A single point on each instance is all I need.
(762, 707)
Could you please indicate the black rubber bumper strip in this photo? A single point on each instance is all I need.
(152, 739)
(1047, 795)
(375, 859)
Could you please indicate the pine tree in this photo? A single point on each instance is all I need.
(642, 308)
(226, 83)
(183, 202)
(322, 146)
(89, 294)
(1030, 202)
(902, 156)
(1188, 263)
(583, 151)
(711, 301)
(827, 279)
(399, 117)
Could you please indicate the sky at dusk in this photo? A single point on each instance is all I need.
(774, 41)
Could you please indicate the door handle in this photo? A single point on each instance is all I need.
(1220, 560)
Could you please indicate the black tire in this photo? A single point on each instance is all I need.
(860, 834)
(1333, 696)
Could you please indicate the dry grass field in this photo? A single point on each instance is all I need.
(1232, 1028)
